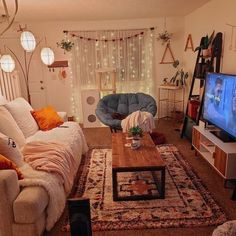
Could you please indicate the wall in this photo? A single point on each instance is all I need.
(212, 16)
(58, 91)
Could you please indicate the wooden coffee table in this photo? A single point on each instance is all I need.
(145, 158)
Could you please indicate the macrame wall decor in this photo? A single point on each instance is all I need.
(165, 37)
(167, 51)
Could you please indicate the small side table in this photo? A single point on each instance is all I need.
(173, 95)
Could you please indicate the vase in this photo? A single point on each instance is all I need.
(136, 142)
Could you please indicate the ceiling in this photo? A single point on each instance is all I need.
(73, 10)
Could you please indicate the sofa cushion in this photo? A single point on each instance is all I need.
(6, 164)
(9, 127)
(30, 204)
(3, 100)
(47, 118)
(10, 149)
(20, 110)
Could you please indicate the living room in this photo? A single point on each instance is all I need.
(61, 85)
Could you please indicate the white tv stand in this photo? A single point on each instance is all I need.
(221, 155)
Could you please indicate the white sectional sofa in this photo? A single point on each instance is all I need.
(31, 205)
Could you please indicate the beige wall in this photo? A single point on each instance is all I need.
(58, 91)
(212, 16)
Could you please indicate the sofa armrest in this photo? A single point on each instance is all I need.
(63, 115)
(9, 190)
(30, 204)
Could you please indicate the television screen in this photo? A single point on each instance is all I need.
(220, 101)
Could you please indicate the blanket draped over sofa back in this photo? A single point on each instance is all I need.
(52, 157)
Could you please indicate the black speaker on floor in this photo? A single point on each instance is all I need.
(79, 217)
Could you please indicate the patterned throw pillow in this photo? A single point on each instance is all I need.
(47, 118)
(6, 164)
(9, 149)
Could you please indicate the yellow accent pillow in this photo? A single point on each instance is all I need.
(47, 118)
(6, 164)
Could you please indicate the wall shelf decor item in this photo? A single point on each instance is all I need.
(58, 64)
(232, 46)
(202, 66)
(189, 41)
(167, 49)
(90, 98)
(104, 85)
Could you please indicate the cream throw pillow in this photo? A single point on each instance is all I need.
(10, 150)
(3, 100)
(20, 110)
(9, 127)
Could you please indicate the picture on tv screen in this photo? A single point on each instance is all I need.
(220, 101)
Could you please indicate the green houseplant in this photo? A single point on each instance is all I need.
(179, 78)
(66, 45)
(205, 45)
(136, 132)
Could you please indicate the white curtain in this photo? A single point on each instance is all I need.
(130, 52)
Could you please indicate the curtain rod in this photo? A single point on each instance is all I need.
(73, 31)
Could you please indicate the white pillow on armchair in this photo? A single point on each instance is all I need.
(20, 110)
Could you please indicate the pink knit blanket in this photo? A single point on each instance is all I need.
(52, 157)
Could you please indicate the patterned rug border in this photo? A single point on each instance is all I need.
(167, 223)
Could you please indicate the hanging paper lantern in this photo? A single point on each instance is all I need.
(47, 56)
(7, 63)
(28, 41)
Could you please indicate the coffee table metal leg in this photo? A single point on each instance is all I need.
(163, 177)
(114, 185)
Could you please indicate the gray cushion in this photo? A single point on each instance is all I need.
(125, 104)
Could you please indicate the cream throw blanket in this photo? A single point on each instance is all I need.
(142, 119)
(52, 157)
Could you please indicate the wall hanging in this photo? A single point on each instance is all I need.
(171, 56)
(189, 41)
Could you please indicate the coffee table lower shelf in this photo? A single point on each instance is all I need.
(160, 183)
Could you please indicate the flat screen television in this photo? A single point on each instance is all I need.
(220, 104)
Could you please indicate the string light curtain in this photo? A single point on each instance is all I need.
(130, 52)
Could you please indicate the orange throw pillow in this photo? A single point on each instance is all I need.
(6, 164)
(47, 118)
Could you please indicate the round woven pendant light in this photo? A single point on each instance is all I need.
(7, 63)
(28, 41)
(47, 56)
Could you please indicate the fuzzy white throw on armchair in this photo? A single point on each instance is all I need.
(142, 119)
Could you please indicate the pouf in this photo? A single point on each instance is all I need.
(226, 229)
(158, 138)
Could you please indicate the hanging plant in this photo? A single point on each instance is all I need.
(164, 37)
(65, 44)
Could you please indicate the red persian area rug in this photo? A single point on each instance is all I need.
(187, 202)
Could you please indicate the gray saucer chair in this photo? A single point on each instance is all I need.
(111, 109)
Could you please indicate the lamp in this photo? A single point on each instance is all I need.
(29, 45)
(7, 63)
(28, 41)
(5, 17)
(47, 56)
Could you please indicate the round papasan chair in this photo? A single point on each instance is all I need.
(112, 108)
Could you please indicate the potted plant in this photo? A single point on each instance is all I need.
(164, 36)
(205, 45)
(179, 79)
(65, 44)
(136, 132)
